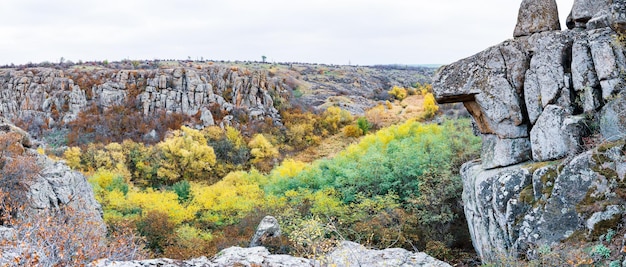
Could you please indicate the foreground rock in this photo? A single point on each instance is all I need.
(513, 210)
(537, 97)
(347, 254)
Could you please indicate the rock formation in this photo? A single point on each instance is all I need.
(39, 93)
(347, 254)
(237, 91)
(534, 99)
(38, 192)
(54, 185)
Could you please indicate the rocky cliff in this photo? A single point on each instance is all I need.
(549, 105)
(213, 92)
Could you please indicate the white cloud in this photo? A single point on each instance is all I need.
(324, 31)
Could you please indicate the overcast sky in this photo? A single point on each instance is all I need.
(362, 32)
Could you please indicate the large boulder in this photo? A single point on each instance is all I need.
(546, 81)
(514, 210)
(537, 16)
(353, 254)
(548, 140)
(609, 60)
(584, 10)
(54, 185)
(489, 83)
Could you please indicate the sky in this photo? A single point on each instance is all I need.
(357, 32)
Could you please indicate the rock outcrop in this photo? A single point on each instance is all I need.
(46, 94)
(534, 99)
(52, 184)
(213, 92)
(347, 254)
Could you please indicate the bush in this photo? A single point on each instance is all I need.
(183, 190)
(398, 92)
(352, 131)
(430, 106)
(66, 237)
(158, 230)
(363, 124)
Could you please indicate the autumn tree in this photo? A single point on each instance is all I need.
(398, 92)
(185, 155)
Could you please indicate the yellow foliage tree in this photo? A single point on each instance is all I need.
(398, 92)
(229, 199)
(185, 156)
(289, 168)
(163, 201)
(430, 106)
(334, 118)
(352, 131)
(72, 157)
(261, 148)
(234, 136)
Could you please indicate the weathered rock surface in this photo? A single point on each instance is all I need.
(512, 210)
(507, 87)
(353, 254)
(613, 120)
(585, 10)
(537, 16)
(570, 84)
(268, 228)
(617, 16)
(347, 254)
(55, 185)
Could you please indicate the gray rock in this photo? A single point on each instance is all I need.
(497, 152)
(584, 10)
(347, 254)
(600, 20)
(537, 16)
(547, 140)
(617, 17)
(543, 180)
(492, 205)
(353, 254)
(489, 83)
(207, 117)
(609, 61)
(546, 80)
(268, 228)
(609, 214)
(583, 70)
(511, 212)
(7, 234)
(613, 119)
